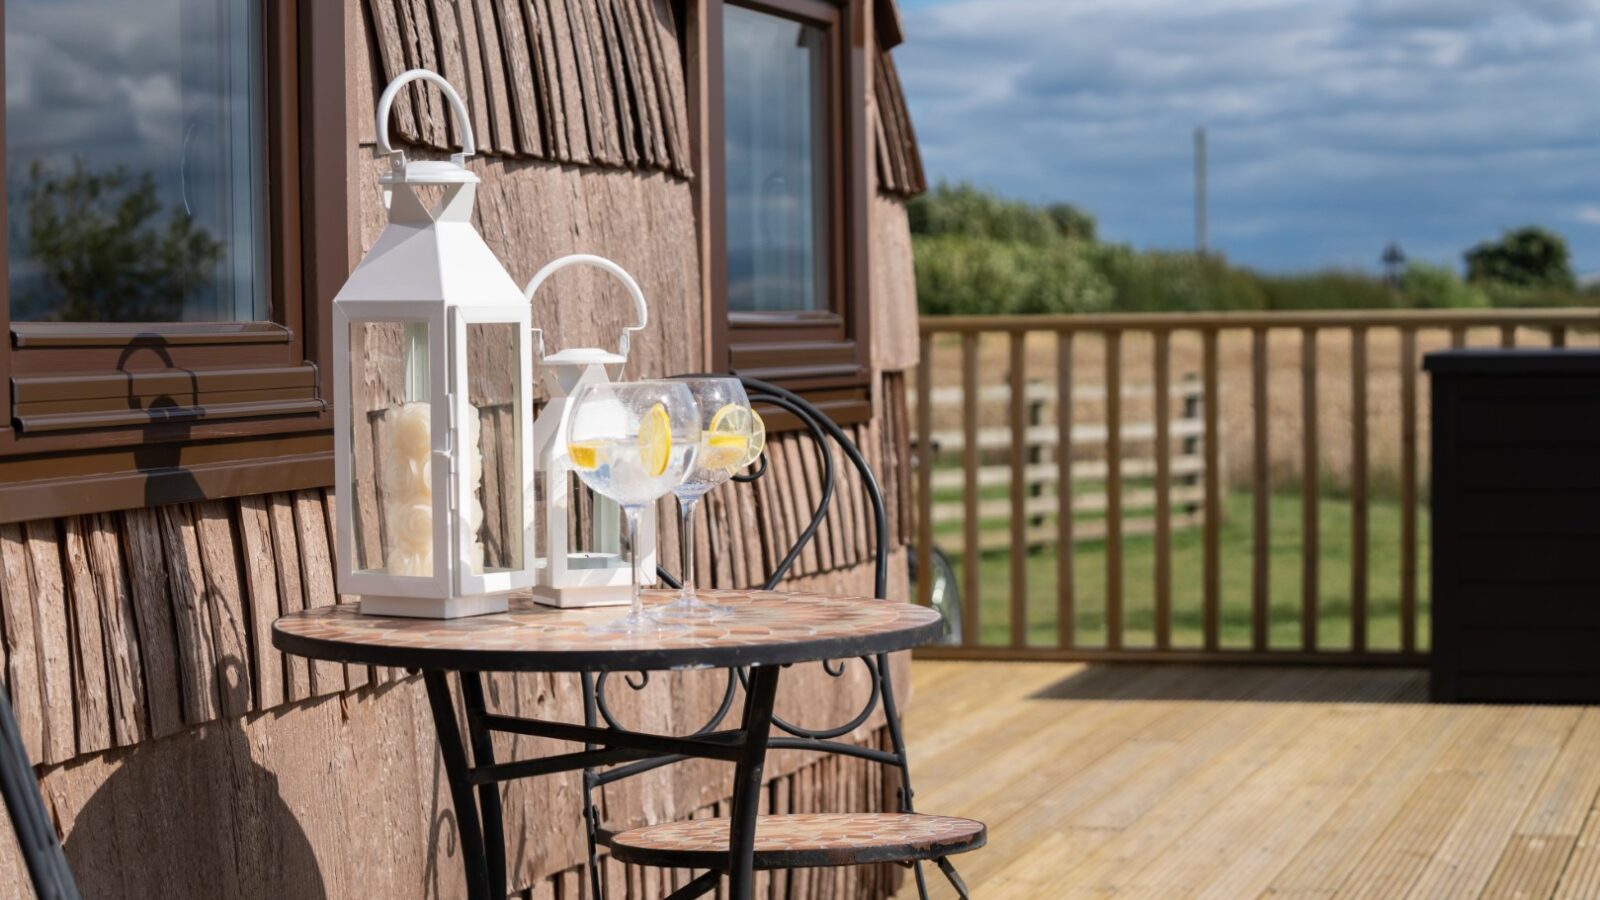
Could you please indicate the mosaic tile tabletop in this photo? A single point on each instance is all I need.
(763, 628)
(807, 838)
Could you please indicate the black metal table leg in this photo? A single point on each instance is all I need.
(494, 829)
(747, 780)
(455, 768)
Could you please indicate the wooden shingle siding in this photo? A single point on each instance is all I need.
(598, 82)
(752, 527)
(899, 162)
(156, 623)
(120, 627)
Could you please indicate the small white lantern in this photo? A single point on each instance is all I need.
(433, 449)
(580, 566)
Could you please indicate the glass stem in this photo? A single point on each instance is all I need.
(633, 557)
(686, 543)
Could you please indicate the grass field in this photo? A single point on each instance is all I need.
(1333, 626)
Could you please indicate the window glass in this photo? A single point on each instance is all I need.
(134, 156)
(776, 140)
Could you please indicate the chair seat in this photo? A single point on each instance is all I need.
(804, 839)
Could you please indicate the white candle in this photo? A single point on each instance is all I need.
(408, 490)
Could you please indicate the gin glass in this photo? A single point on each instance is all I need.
(633, 442)
(730, 438)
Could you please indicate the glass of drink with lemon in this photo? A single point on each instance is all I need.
(633, 442)
(731, 438)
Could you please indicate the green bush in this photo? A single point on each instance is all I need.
(1427, 286)
(1331, 289)
(1065, 279)
(965, 210)
(963, 275)
(1511, 296)
(1171, 282)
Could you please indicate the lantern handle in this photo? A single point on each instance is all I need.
(469, 147)
(601, 262)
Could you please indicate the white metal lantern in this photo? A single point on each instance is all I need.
(581, 563)
(433, 449)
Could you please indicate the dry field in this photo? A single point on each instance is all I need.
(1284, 387)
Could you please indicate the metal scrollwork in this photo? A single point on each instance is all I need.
(711, 724)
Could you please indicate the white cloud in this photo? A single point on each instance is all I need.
(1342, 122)
(1588, 214)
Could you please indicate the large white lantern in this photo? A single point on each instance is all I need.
(581, 560)
(433, 452)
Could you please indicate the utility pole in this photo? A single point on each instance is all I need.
(1200, 246)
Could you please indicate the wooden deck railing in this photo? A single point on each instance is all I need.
(1293, 393)
(1042, 438)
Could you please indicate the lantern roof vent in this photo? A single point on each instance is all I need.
(451, 171)
(584, 356)
(429, 171)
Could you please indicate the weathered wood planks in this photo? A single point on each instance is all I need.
(591, 83)
(899, 163)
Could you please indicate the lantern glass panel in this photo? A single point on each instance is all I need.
(596, 533)
(494, 446)
(392, 440)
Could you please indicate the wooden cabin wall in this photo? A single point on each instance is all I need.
(186, 757)
(182, 756)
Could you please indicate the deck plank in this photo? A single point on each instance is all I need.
(1581, 877)
(1148, 781)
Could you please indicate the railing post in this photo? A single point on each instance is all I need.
(1260, 495)
(1358, 489)
(1408, 489)
(1212, 599)
(1019, 488)
(924, 461)
(1162, 373)
(1066, 613)
(1113, 353)
(1310, 493)
(972, 554)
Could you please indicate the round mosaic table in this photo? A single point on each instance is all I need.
(764, 631)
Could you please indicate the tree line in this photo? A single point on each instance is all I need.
(980, 254)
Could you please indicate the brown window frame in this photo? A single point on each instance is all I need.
(103, 416)
(821, 355)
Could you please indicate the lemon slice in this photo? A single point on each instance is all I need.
(585, 455)
(655, 440)
(722, 451)
(757, 440)
(737, 422)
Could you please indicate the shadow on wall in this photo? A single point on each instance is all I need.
(193, 815)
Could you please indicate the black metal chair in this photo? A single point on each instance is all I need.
(41, 852)
(695, 845)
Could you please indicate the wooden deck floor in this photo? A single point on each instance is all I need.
(1167, 782)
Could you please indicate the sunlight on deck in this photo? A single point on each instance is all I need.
(1161, 782)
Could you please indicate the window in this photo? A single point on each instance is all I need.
(167, 262)
(134, 156)
(784, 96)
(775, 77)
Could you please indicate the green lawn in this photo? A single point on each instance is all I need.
(1333, 627)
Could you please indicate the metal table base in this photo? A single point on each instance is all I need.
(479, 815)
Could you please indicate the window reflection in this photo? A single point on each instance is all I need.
(134, 157)
(776, 139)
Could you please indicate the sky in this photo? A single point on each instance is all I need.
(1334, 126)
